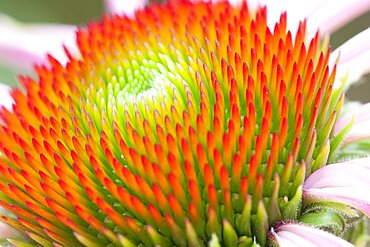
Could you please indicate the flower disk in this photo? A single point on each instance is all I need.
(190, 123)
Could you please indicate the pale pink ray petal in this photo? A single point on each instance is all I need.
(361, 122)
(347, 182)
(353, 57)
(325, 16)
(6, 100)
(8, 232)
(232, 2)
(328, 16)
(354, 46)
(334, 14)
(297, 10)
(22, 46)
(360, 131)
(299, 235)
(127, 7)
(352, 70)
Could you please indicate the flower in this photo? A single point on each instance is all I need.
(6, 99)
(124, 6)
(185, 124)
(345, 182)
(292, 234)
(361, 121)
(25, 45)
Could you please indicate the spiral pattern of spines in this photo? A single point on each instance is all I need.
(189, 121)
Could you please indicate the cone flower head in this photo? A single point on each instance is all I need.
(189, 124)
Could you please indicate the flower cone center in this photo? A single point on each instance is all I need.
(204, 130)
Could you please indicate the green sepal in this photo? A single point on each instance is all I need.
(243, 221)
(17, 243)
(309, 154)
(337, 100)
(273, 208)
(260, 224)
(285, 178)
(290, 209)
(229, 234)
(91, 242)
(125, 242)
(255, 244)
(337, 140)
(359, 234)
(191, 235)
(344, 210)
(350, 155)
(156, 237)
(213, 225)
(326, 219)
(322, 158)
(299, 178)
(324, 134)
(245, 241)
(349, 215)
(43, 241)
(214, 242)
(178, 235)
(359, 149)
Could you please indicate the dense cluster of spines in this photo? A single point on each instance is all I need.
(189, 122)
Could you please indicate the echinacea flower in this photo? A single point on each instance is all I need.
(293, 234)
(25, 45)
(184, 124)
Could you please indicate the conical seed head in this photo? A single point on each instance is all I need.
(189, 122)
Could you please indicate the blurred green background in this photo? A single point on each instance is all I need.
(82, 11)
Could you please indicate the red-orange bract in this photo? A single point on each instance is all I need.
(189, 121)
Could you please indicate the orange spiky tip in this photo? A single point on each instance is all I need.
(190, 121)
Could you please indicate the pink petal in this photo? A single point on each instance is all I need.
(326, 16)
(334, 14)
(296, 10)
(353, 57)
(6, 100)
(22, 46)
(7, 232)
(127, 7)
(347, 182)
(299, 235)
(360, 129)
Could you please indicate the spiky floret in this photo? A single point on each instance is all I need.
(189, 122)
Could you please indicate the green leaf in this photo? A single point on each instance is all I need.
(340, 208)
(326, 219)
